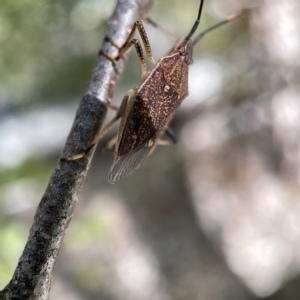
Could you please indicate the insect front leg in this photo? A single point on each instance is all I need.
(129, 42)
(119, 114)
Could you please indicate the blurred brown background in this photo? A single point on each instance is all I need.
(214, 217)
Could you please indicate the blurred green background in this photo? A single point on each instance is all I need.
(214, 217)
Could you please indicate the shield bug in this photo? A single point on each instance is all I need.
(147, 110)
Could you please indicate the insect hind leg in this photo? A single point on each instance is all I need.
(95, 141)
(119, 114)
(171, 134)
(173, 140)
(110, 144)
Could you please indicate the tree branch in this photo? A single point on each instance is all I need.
(32, 277)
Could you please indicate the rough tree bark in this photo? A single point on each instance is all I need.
(32, 277)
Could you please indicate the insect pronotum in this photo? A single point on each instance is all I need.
(147, 109)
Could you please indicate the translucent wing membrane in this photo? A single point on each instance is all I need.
(124, 166)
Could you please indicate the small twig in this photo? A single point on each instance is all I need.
(32, 277)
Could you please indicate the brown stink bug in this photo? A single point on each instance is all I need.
(147, 110)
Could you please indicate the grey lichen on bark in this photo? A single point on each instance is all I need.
(32, 277)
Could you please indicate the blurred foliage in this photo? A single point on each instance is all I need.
(42, 43)
(13, 236)
(91, 227)
(13, 233)
(40, 170)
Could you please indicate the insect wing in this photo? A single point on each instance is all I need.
(124, 166)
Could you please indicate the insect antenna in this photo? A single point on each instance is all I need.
(228, 20)
(196, 22)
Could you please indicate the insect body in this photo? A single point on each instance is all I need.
(150, 107)
(147, 109)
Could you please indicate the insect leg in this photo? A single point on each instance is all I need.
(139, 52)
(164, 143)
(112, 106)
(110, 144)
(145, 40)
(171, 134)
(119, 114)
(137, 25)
(154, 24)
(95, 141)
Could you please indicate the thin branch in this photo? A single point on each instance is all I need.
(32, 277)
